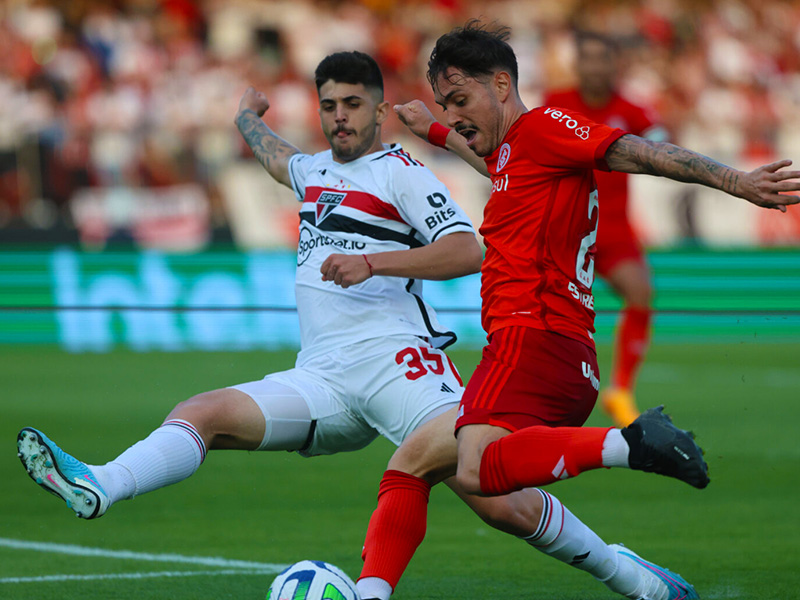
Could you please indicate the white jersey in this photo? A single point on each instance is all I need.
(379, 202)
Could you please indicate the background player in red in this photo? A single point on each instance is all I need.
(618, 258)
(520, 418)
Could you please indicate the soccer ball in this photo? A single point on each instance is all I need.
(312, 580)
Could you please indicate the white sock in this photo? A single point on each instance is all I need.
(563, 536)
(373, 587)
(615, 449)
(635, 581)
(170, 454)
(628, 579)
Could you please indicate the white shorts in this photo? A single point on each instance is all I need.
(385, 386)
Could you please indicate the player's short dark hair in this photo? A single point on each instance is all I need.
(582, 36)
(349, 67)
(475, 49)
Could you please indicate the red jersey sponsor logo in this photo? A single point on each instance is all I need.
(570, 123)
(500, 184)
(588, 373)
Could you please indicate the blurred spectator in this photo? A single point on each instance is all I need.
(140, 93)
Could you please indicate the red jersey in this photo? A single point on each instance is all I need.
(620, 113)
(540, 224)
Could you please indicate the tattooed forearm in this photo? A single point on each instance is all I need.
(271, 151)
(632, 154)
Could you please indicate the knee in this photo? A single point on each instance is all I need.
(639, 295)
(511, 515)
(469, 479)
(202, 411)
(424, 460)
(471, 452)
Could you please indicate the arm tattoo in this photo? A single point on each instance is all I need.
(271, 151)
(632, 154)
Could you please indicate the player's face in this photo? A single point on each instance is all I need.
(596, 66)
(473, 109)
(351, 116)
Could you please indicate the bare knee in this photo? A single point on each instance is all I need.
(469, 478)
(630, 279)
(639, 295)
(423, 459)
(472, 443)
(518, 513)
(223, 418)
(202, 411)
(430, 452)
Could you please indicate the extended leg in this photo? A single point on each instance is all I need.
(494, 462)
(398, 524)
(221, 419)
(631, 280)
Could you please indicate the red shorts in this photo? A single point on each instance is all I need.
(616, 243)
(531, 377)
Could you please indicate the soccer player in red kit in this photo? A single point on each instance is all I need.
(619, 258)
(521, 416)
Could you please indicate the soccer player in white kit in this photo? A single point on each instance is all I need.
(373, 223)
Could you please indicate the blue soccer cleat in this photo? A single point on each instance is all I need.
(61, 474)
(659, 583)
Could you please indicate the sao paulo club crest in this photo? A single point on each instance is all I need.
(327, 202)
(505, 154)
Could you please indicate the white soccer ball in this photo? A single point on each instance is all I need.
(312, 580)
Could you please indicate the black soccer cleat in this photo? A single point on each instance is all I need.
(657, 446)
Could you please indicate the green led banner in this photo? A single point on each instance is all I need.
(229, 300)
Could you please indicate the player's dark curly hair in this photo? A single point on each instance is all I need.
(475, 49)
(349, 67)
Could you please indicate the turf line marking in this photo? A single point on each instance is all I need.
(150, 575)
(208, 561)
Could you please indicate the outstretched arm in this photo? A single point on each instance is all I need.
(762, 187)
(418, 118)
(453, 255)
(272, 151)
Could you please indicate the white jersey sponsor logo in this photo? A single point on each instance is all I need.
(310, 241)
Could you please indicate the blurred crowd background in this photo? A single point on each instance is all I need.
(116, 116)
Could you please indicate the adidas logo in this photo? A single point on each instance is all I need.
(560, 472)
(446, 388)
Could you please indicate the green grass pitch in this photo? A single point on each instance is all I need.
(738, 539)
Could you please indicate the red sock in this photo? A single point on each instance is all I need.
(539, 455)
(633, 337)
(397, 526)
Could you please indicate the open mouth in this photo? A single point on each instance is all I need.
(468, 134)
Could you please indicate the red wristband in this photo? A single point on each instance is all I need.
(437, 134)
(366, 260)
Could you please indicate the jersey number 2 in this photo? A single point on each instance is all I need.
(584, 266)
